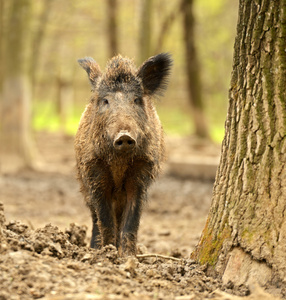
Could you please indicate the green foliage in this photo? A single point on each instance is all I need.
(46, 118)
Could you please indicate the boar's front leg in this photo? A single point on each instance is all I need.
(101, 208)
(95, 237)
(105, 219)
(131, 220)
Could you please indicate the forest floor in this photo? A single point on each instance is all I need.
(45, 229)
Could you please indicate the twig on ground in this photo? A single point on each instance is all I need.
(157, 256)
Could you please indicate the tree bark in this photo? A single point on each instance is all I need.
(15, 135)
(193, 71)
(112, 27)
(244, 238)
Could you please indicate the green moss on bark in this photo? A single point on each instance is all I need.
(210, 246)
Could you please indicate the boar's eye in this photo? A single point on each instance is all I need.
(138, 100)
(104, 101)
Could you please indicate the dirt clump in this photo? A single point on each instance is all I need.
(48, 263)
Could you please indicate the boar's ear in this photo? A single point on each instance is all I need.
(92, 69)
(154, 73)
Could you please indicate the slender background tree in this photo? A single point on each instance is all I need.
(193, 70)
(112, 24)
(145, 36)
(167, 25)
(38, 39)
(15, 137)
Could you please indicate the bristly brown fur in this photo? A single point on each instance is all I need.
(115, 182)
(120, 75)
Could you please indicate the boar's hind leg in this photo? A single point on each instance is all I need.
(95, 241)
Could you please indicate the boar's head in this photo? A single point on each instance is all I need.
(125, 121)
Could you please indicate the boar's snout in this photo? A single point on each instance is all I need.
(124, 142)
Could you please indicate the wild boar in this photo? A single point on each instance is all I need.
(119, 145)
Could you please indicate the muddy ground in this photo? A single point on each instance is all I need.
(45, 229)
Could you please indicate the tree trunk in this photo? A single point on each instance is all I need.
(112, 27)
(15, 138)
(244, 238)
(145, 29)
(193, 72)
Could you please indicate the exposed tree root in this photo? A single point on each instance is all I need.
(157, 256)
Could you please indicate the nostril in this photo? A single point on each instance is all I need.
(131, 142)
(118, 143)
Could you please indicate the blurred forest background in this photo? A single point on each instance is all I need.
(43, 88)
